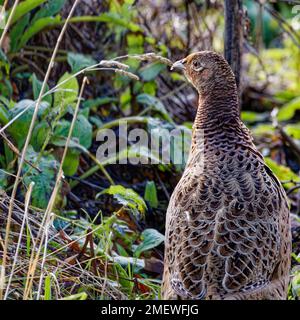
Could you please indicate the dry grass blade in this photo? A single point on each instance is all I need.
(34, 116)
(27, 202)
(8, 21)
(46, 221)
(55, 262)
(149, 57)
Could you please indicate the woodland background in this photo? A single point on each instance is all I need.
(100, 234)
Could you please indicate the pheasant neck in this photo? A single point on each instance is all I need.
(217, 107)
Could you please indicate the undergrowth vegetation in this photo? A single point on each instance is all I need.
(73, 227)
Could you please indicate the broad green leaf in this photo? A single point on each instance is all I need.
(39, 134)
(19, 128)
(151, 239)
(25, 7)
(36, 88)
(155, 103)
(151, 194)
(135, 44)
(82, 131)
(71, 162)
(95, 103)
(79, 61)
(37, 26)
(282, 172)
(128, 198)
(17, 32)
(67, 93)
(293, 130)
(250, 116)
(137, 264)
(151, 71)
(44, 180)
(50, 8)
(263, 129)
(149, 87)
(287, 112)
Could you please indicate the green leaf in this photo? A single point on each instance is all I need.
(293, 130)
(82, 132)
(4, 62)
(4, 117)
(288, 111)
(263, 129)
(39, 134)
(95, 103)
(67, 93)
(71, 162)
(151, 239)
(37, 26)
(44, 180)
(296, 284)
(151, 194)
(19, 128)
(50, 8)
(128, 198)
(79, 61)
(3, 179)
(151, 71)
(17, 32)
(36, 88)
(250, 116)
(77, 296)
(137, 264)
(25, 7)
(47, 294)
(155, 103)
(282, 172)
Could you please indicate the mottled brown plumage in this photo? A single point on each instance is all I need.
(227, 226)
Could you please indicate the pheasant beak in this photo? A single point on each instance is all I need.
(179, 65)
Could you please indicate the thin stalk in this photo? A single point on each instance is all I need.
(8, 24)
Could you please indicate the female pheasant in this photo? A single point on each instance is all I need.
(227, 226)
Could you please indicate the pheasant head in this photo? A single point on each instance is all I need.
(208, 72)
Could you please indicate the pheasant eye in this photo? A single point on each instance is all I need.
(197, 65)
